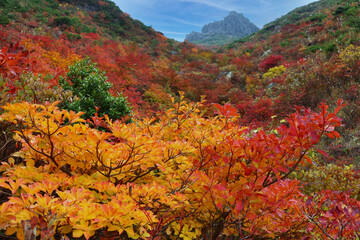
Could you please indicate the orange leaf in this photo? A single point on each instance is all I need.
(308, 159)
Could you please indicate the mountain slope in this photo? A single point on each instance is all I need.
(90, 16)
(313, 59)
(266, 77)
(296, 16)
(299, 14)
(155, 66)
(58, 33)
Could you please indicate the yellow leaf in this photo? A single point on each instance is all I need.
(130, 231)
(11, 161)
(42, 145)
(77, 233)
(113, 228)
(10, 231)
(168, 231)
(20, 234)
(65, 229)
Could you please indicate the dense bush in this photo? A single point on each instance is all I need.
(90, 88)
(10, 5)
(330, 47)
(340, 10)
(59, 21)
(313, 48)
(182, 176)
(317, 17)
(270, 62)
(4, 20)
(66, 22)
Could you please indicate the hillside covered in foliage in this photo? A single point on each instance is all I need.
(109, 130)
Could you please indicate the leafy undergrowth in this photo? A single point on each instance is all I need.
(177, 175)
(177, 170)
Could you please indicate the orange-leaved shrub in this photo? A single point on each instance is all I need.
(177, 176)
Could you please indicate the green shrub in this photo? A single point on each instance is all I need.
(53, 4)
(87, 29)
(10, 5)
(352, 11)
(284, 43)
(313, 48)
(40, 17)
(330, 47)
(354, 22)
(65, 21)
(316, 17)
(59, 21)
(4, 20)
(340, 10)
(90, 88)
(72, 37)
(3, 3)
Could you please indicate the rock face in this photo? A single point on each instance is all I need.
(233, 27)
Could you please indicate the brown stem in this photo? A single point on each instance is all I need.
(220, 226)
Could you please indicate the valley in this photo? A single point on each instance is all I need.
(110, 130)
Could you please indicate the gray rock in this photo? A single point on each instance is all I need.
(233, 27)
(267, 53)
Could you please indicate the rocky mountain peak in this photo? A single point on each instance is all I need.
(232, 27)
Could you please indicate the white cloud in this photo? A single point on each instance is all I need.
(256, 7)
(127, 3)
(250, 6)
(223, 5)
(186, 22)
(175, 33)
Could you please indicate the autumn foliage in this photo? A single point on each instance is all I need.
(264, 155)
(178, 175)
(13, 61)
(270, 62)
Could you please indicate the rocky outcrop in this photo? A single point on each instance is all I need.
(233, 27)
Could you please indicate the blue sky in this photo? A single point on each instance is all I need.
(176, 18)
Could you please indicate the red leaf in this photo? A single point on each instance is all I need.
(220, 187)
(308, 159)
(340, 104)
(239, 206)
(322, 152)
(14, 70)
(247, 170)
(227, 110)
(218, 106)
(277, 149)
(308, 201)
(280, 212)
(282, 169)
(315, 137)
(336, 134)
(330, 135)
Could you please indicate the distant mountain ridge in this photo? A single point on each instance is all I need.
(299, 14)
(232, 27)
